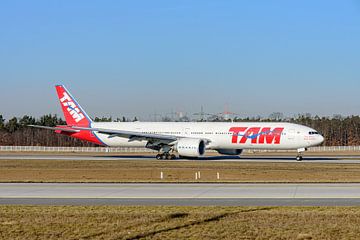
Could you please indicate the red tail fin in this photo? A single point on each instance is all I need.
(73, 112)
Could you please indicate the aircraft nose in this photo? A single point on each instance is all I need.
(321, 139)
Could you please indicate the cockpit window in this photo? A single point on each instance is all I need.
(313, 133)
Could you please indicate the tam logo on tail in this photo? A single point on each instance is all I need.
(74, 114)
(71, 108)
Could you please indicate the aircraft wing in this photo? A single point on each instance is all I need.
(131, 135)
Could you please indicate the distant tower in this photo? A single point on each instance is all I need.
(226, 113)
(155, 116)
(202, 114)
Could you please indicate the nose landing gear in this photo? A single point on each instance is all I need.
(299, 157)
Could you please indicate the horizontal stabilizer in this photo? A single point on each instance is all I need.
(56, 128)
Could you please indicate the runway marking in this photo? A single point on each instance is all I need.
(72, 197)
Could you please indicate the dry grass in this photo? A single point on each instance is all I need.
(174, 171)
(116, 222)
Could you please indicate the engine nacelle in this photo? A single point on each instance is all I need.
(229, 151)
(190, 147)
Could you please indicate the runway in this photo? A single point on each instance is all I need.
(181, 194)
(257, 158)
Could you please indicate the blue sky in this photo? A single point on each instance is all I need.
(135, 58)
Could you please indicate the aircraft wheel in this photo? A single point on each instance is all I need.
(299, 158)
(158, 157)
(168, 157)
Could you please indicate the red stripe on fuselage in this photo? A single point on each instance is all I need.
(83, 135)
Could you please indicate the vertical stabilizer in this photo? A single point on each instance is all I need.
(73, 112)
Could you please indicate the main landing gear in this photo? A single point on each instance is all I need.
(165, 156)
(164, 153)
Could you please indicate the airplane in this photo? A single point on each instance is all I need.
(185, 139)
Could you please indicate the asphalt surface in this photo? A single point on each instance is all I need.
(281, 158)
(181, 194)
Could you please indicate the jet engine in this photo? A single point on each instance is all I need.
(229, 151)
(190, 147)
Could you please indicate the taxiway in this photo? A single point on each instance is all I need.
(258, 158)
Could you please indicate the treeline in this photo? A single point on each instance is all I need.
(337, 130)
(15, 132)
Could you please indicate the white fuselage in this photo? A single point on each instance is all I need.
(220, 135)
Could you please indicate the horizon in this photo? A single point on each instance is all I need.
(167, 118)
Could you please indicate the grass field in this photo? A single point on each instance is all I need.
(115, 222)
(174, 171)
